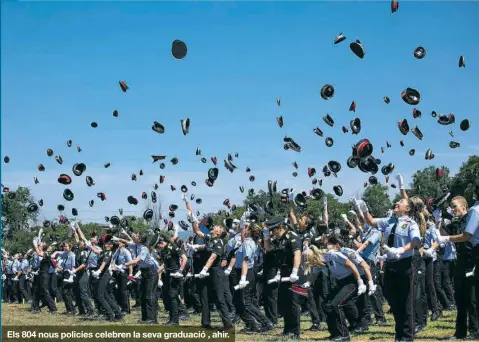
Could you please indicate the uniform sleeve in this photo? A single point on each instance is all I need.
(434, 237)
(107, 259)
(374, 237)
(295, 241)
(472, 222)
(382, 223)
(127, 255)
(143, 254)
(339, 258)
(15, 267)
(248, 251)
(218, 248)
(414, 233)
(73, 260)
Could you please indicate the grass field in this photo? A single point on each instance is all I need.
(14, 314)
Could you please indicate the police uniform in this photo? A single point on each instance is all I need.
(249, 311)
(105, 288)
(121, 256)
(270, 291)
(43, 283)
(170, 255)
(472, 227)
(230, 250)
(149, 281)
(369, 254)
(133, 248)
(400, 274)
(214, 283)
(342, 295)
(287, 245)
(11, 294)
(443, 270)
(36, 293)
(464, 284)
(16, 268)
(91, 266)
(68, 263)
(430, 237)
(82, 291)
(322, 284)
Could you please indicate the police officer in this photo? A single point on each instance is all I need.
(11, 293)
(120, 272)
(42, 260)
(174, 260)
(92, 264)
(289, 259)
(67, 265)
(430, 256)
(22, 279)
(82, 291)
(401, 232)
(369, 249)
(149, 277)
(464, 290)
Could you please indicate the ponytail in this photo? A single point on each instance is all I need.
(313, 257)
(416, 208)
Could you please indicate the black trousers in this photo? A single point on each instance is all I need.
(442, 282)
(12, 290)
(41, 292)
(270, 295)
(432, 302)
(82, 292)
(248, 310)
(67, 293)
(376, 299)
(342, 296)
(363, 304)
(55, 286)
(291, 307)
(321, 289)
(121, 292)
(215, 284)
(22, 287)
(149, 279)
(171, 292)
(465, 296)
(94, 283)
(399, 279)
(228, 294)
(420, 296)
(105, 295)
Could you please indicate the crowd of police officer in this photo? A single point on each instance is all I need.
(420, 259)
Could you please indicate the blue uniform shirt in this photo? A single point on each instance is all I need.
(430, 236)
(92, 258)
(146, 260)
(472, 223)
(335, 261)
(354, 257)
(199, 241)
(121, 256)
(407, 230)
(24, 265)
(247, 250)
(9, 267)
(16, 266)
(36, 262)
(373, 236)
(233, 243)
(68, 260)
(450, 251)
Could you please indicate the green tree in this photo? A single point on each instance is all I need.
(468, 174)
(425, 183)
(15, 216)
(335, 209)
(377, 197)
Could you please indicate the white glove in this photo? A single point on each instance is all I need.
(245, 215)
(381, 258)
(345, 218)
(203, 273)
(441, 239)
(111, 271)
(430, 252)
(260, 273)
(138, 274)
(4, 277)
(372, 288)
(72, 271)
(393, 252)
(294, 276)
(115, 238)
(400, 181)
(15, 279)
(243, 282)
(177, 275)
(189, 275)
(450, 211)
(352, 212)
(194, 247)
(361, 287)
(325, 202)
(160, 283)
(35, 241)
(307, 285)
(362, 206)
(192, 217)
(184, 197)
(96, 274)
(228, 271)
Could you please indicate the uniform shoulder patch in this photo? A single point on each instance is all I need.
(287, 235)
(352, 255)
(404, 225)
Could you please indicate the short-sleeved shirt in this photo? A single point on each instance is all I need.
(170, 256)
(9, 267)
(216, 246)
(121, 256)
(407, 230)
(472, 223)
(92, 258)
(68, 260)
(430, 236)
(146, 260)
(373, 237)
(233, 244)
(354, 257)
(16, 266)
(36, 262)
(24, 265)
(247, 252)
(335, 261)
(105, 257)
(287, 245)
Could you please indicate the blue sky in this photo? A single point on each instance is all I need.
(61, 63)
